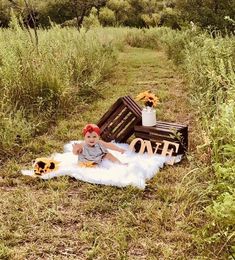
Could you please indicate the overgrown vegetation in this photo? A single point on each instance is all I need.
(43, 82)
(209, 63)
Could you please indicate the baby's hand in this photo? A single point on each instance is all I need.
(77, 148)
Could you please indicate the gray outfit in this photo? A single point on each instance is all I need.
(92, 153)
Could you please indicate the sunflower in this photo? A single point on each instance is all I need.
(148, 98)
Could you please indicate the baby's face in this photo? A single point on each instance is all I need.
(91, 138)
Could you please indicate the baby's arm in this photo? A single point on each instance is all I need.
(112, 146)
(77, 148)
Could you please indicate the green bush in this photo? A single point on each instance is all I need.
(107, 17)
(44, 79)
(92, 20)
(15, 131)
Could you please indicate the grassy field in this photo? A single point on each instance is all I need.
(50, 92)
(68, 219)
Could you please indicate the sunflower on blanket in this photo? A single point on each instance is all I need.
(44, 165)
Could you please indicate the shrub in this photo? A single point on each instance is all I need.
(92, 20)
(107, 16)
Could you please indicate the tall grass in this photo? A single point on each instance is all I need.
(209, 66)
(40, 83)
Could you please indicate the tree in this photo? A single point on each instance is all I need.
(60, 11)
(107, 16)
(151, 20)
(121, 9)
(207, 13)
(92, 20)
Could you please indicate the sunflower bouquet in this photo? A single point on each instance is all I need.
(148, 98)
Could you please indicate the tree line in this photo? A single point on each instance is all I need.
(212, 14)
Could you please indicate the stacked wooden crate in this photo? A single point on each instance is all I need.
(123, 119)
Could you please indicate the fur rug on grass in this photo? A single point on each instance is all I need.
(140, 168)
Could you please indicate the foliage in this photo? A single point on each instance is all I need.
(92, 20)
(5, 253)
(101, 222)
(4, 14)
(207, 13)
(139, 13)
(152, 20)
(209, 65)
(41, 83)
(107, 16)
(38, 84)
(15, 132)
(143, 38)
(121, 9)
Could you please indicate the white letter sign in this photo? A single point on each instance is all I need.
(147, 144)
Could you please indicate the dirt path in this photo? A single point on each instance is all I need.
(67, 219)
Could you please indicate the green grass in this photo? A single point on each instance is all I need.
(68, 219)
(40, 84)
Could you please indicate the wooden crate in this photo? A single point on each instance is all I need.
(172, 132)
(119, 121)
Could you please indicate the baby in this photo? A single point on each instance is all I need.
(93, 150)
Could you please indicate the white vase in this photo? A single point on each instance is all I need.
(149, 116)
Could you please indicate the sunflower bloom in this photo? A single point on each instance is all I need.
(148, 98)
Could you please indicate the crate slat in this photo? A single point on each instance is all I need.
(132, 105)
(109, 121)
(128, 131)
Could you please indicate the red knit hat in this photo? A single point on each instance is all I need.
(91, 128)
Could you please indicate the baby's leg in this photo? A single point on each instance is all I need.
(112, 158)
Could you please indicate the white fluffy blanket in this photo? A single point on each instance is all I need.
(140, 168)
